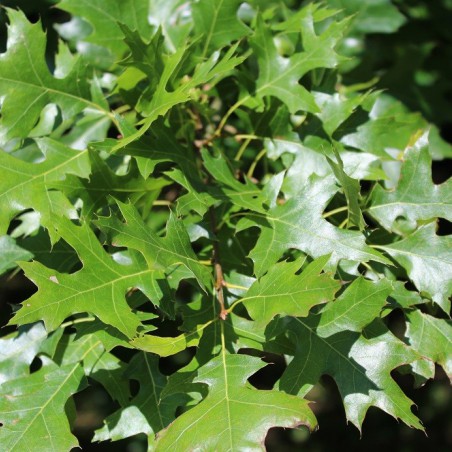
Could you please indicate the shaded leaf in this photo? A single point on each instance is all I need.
(246, 195)
(351, 190)
(98, 364)
(103, 182)
(164, 97)
(11, 253)
(146, 412)
(167, 346)
(17, 352)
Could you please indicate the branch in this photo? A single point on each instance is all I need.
(219, 278)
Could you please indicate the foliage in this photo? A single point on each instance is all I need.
(199, 178)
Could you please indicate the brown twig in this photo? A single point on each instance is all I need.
(219, 278)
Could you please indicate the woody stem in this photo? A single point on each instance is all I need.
(219, 278)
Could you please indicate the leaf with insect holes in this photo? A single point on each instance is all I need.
(18, 351)
(11, 253)
(98, 364)
(144, 413)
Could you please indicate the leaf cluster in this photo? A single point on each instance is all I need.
(197, 180)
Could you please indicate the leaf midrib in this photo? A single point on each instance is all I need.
(46, 89)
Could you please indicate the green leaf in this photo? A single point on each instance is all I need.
(351, 190)
(390, 127)
(146, 58)
(196, 199)
(431, 338)
(103, 182)
(217, 24)
(30, 191)
(158, 147)
(335, 109)
(145, 413)
(285, 292)
(246, 195)
(189, 178)
(409, 199)
(27, 86)
(427, 259)
(299, 224)
(165, 97)
(167, 346)
(11, 253)
(371, 16)
(108, 336)
(403, 297)
(355, 308)
(172, 250)
(105, 18)
(59, 256)
(236, 407)
(279, 76)
(307, 161)
(98, 364)
(17, 352)
(32, 409)
(360, 365)
(173, 17)
(98, 288)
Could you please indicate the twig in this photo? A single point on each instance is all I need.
(219, 278)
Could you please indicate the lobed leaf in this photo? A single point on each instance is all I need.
(31, 409)
(27, 85)
(240, 420)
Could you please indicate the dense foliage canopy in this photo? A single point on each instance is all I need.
(224, 183)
